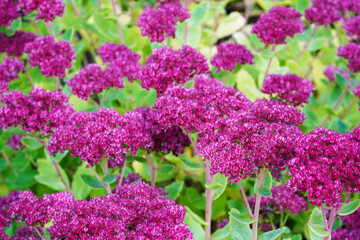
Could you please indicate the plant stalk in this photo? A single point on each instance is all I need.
(106, 186)
(121, 36)
(209, 194)
(246, 200)
(261, 179)
(122, 173)
(307, 42)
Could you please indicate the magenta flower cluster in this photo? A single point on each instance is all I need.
(229, 54)
(352, 27)
(290, 88)
(41, 111)
(325, 175)
(331, 70)
(323, 12)
(133, 211)
(349, 5)
(167, 66)
(351, 230)
(283, 199)
(9, 71)
(351, 52)
(159, 24)
(15, 142)
(199, 108)
(280, 22)
(52, 57)
(15, 44)
(356, 92)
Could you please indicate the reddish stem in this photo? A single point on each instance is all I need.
(307, 42)
(246, 200)
(121, 37)
(261, 179)
(209, 194)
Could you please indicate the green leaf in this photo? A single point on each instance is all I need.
(272, 235)
(48, 175)
(195, 216)
(78, 186)
(174, 189)
(340, 79)
(130, 159)
(68, 34)
(91, 181)
(349, 208)
(194, 226)
(197, 14)
(222, 181)
(238, 230)
(265, 190)
(316, 44)
(316, 223)
(16, 24)
(213, 185)
(244, 218)
(31, 142)
(222, 234)
(301, 5)
(109, 179)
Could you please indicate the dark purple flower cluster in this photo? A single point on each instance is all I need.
(135, 211)
(166, 66)
(41, 111)
(290, 88)
(351, 52)
(222, 223)
(199, 108)
(52, 57)
(283, 199)
(349, 5)
(351, 230)
(9, 71)
(229, 54)
(27, 233)
(15, 142)
(159, 24)
(356, 92)
(352, 27)
(131, 178)
(326, 165)
(260, 136)
(331, 70)
(9, 11)
(280, 22)
(323, 12)
(14, 45)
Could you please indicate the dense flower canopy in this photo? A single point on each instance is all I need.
(280, 22)
(351, 52)
(352, 27)
(323, 12)
(290, 88)
(14, 45)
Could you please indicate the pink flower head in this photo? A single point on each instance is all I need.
(14, 45)
(352, 27)
(48, 9)
(349, 5)
(222, 223)
(166, 67)
(199, 108)
(229, 54)
(323, 12)
(9, 71)
(111, 51)
(280, 22)
(356, 92)
(283, 199)
(290, 88)
(262, 135)
(326, 165)
(41, 111)
(15, 142)
(159, 24)
(331, 70)
(351, 52)
(52, 57)
(9, 11)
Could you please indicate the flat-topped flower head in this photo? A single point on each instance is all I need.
(323, 12)
(41, 111)
(159, 24)
(280, 22)
(15, 44)
(325, 166)
(48, 10)
(167, 66)
(199, 108)
(229, 55)
(50, 56)
(9, 71)
(331, 70)
(111, 51)
(290, 88)
(352, 27)
(351, 52)
(349, 5)
(9, 11)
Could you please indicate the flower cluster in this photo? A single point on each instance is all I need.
(132, 211)
(282, 199)
(222, 223)
(280, 22)
(131, 178)
(323, 12)
(9, 71)
(40, 111)
(9, 11)
(263, 135)
(331, 70)
(199, 108)
(352, 230)
(356, 92)
(349, 5)
(229, 54)
(14, 45)
(351, 25)
(166, 66)
(325, 174)
(351, 52)
(15, 142)
(290, 88)
(159, 24)
(52, 57)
